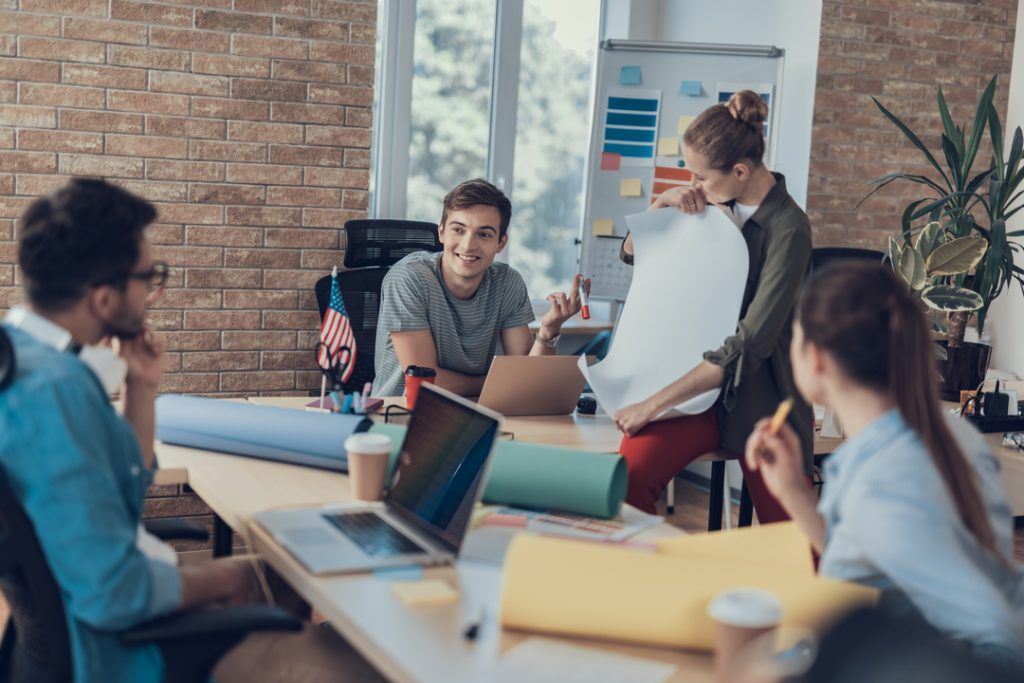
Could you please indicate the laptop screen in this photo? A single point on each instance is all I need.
(441, 467)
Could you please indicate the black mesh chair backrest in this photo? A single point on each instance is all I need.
(824, 256)
(360, 290)
(35, 644)
(375, 242)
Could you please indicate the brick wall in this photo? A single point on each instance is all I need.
(898, 51)
(246, 121)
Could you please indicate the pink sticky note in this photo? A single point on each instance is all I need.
(610, 161)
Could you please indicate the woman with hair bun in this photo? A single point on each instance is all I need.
(724, 149)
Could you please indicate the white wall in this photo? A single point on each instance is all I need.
(794, 25)
(1006, 321)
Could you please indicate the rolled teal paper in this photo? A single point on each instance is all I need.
(546, 477)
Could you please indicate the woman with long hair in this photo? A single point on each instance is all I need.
(913, 502)
(724, 147)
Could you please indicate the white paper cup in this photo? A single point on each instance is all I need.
(741, 615)
(368, 464)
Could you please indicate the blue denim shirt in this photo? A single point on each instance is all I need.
(77, 470)
(892, 524)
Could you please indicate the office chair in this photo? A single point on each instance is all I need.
(371, 247)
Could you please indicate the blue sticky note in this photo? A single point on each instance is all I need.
(629, 75)
(691, 88)
(402, 573)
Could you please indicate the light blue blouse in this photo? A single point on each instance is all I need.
(892, 524)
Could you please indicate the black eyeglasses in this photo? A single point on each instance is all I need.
(155, 277)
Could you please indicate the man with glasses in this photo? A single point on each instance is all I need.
(80, 471)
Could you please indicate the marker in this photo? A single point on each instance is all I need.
(583, 299)
(347, 406)
(781, 413)
(365, 398)
(473, 627)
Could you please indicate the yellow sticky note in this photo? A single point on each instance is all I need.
(630, 187)
(668, 147)
(425, 593)
(604, 227)
(684, 123)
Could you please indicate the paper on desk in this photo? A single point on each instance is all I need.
(598, 590)
(545, 661)
(688, 282)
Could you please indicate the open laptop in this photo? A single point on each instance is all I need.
(533, 385)
(426, 511)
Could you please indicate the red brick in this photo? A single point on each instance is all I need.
(261, 299)
(302, 238)
(169, 81)
(258, 46)
(189, 39)
(163, 169)
(362, 33)
(257, 381)
(192, 257)
(91, 8)
(170, 60)
(355, 199)
(150, 103)
(35, 185)
(7, 140)
(190, 383)
(342, 52)
(329, 218)
(357, 158)
(185, 127)
(264, 174)
(230, 66)
(13, 207)
(101, 121)
(224, 236)
(320, 259)
(220, 360)
(8, 92)
(104, 76)
(29, 70)
(306, 113)
(150, 13)
(230, 109)
(8, 45)
(105, 31)
(222, 320)
(306, 196)
(282, 279)
(192, 341)
(360, 75)
(91, 164)
(227, 194)
(337, 136)
(349, 11)
(157, 191)
(239, 215)
(358, 117)
(233, 22)
(291, 320)
(337, 94)
(65, 95)
(25, 24)
(264, 132)
(336, 177)
(284, 360)
(204, 214)
(147, 146)
(65, 50)
(265, 89)
(310, 28)
(309, 71)
(293, 7)
(221, 278)
(60, 141)
(227, 151)
(300, 154)
(244, 339)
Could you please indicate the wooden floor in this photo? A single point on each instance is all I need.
(691, 514)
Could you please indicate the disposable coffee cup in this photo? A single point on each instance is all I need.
(741, 616)
(415, 377)
(368, 456)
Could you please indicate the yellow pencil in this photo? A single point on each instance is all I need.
(781, 413)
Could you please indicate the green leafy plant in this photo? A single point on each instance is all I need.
(963, 205)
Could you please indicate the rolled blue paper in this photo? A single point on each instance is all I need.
(297, 437)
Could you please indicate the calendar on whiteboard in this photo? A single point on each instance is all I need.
(610, 276)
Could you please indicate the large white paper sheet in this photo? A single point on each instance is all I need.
(539, 660)
(688, 279)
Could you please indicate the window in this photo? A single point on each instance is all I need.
(476, 71)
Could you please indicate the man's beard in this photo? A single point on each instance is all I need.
(125, 325)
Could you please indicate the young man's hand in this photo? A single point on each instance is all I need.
(144, 355)
(562, 308)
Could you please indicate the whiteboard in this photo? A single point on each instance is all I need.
(683, 79)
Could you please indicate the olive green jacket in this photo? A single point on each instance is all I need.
(756, 359)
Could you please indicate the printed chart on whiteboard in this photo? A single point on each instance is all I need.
(631, 127)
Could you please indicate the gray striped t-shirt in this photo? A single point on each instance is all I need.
(466, 332)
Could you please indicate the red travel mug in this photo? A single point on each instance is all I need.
(415, 376)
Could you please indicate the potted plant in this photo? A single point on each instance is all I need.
(967, 275)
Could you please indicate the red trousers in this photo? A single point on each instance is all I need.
(663, 449)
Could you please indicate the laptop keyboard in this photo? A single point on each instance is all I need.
(376, 537)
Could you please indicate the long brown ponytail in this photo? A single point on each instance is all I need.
(866, 319)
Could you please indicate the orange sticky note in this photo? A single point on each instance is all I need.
(610, 161)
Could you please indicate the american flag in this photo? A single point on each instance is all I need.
(336, 331)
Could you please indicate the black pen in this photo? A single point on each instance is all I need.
(473, 628)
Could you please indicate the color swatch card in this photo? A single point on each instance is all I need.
(631, 125)
(669, 177)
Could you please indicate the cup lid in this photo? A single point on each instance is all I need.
(367, 442)
(746, 607)
(420, 371)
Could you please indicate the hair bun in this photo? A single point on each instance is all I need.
(748, 107)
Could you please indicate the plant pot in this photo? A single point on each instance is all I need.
(964, 368)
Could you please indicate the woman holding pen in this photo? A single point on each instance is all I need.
(913, 502)
(724, 147)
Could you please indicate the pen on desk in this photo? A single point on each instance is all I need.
(473, 627)
(584, 301)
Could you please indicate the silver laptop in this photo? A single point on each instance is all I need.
(426, 511)
(533, 385)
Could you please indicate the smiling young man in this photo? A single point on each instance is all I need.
(449, 310)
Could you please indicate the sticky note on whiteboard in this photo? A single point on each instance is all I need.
(610, 161)
(684, 123)
(603, 227)
(629, 75)
(691, 88)
(668, 147)
(630, 187)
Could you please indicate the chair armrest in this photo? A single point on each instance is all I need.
(175, 528)
(244, 619)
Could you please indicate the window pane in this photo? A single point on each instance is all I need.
(552, 123)
(451, 92)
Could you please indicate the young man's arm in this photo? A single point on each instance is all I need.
(416, 347)
(519, 341)
(144, 356)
